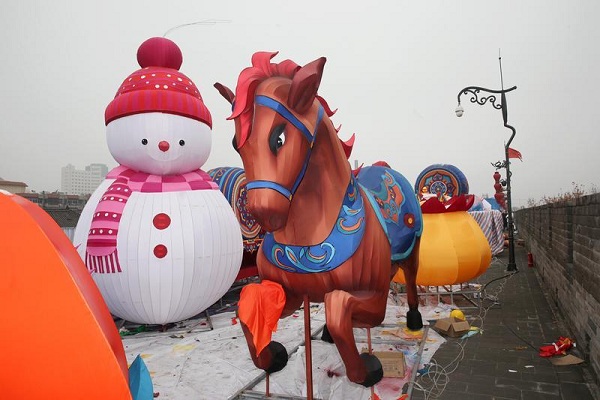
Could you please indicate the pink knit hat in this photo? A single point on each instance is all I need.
(158, 86)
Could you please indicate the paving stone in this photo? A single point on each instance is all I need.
(527, 395)
(538, 377)
(462, 396)
(579, 391)
(494, 390)
(540, 387)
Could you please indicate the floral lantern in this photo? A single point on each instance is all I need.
(443, 181)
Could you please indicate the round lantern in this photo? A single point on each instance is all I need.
(442, 180)
(157, 235)
(232, 183)
(78, 352)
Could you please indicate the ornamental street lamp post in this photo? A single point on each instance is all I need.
(490, 95)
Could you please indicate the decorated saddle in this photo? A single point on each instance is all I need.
(396, 206)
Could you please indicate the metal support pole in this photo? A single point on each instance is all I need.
(308, 349)
(512, 265)
(490, 96)
(370, 347)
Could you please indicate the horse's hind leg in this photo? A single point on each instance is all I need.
(366, 308)
(326, 336)
(414, 321)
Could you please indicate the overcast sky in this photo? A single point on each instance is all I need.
(394, 69)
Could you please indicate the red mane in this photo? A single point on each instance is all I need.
(249, 78)
(262, 68)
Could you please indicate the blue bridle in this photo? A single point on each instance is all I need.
(291, 118)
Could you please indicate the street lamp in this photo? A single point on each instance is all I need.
(490, 96)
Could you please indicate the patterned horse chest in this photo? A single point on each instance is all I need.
(339, 246)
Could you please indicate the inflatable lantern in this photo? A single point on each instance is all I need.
(332, 235)
(232, 182)
(499, 195)
(159, 238)
(443, 181)
(454, 249)
(77, 353)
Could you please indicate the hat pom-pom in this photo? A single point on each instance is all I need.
(159, 52)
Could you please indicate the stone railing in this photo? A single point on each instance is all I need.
(564, 239)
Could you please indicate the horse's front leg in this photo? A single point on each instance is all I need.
(366, 308)
(410, 266)
(259, 309)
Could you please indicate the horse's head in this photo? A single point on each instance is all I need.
(277, 115)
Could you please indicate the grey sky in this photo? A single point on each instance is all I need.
(393, 70)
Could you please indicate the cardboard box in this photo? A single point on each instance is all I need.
(452, 327)
(393, 363)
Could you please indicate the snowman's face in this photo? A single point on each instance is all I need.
(159, 143)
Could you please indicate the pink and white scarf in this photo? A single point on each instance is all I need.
(101, 251)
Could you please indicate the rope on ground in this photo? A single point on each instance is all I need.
(435, 377)
(492, 295)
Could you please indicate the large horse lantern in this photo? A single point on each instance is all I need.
(332, 236)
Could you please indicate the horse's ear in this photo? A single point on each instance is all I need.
(225, 92)
(305, 84)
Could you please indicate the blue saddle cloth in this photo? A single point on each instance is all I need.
(339, 246)
(396, 206)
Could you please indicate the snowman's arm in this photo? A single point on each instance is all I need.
(85, 219)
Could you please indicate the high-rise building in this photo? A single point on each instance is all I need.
(76, 181)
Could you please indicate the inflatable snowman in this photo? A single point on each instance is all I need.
(160, 240)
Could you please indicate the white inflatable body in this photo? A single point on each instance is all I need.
(178, 251)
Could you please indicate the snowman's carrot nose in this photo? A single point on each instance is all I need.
(163, 145)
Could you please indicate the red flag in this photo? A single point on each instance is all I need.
(512, 153)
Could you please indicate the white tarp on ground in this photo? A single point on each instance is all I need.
(192, 362)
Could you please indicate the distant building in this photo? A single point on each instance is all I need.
(80, 182)
(13, 187)
(57, 201)
(64, 209)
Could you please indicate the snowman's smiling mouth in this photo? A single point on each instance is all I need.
(163, 151)
(164, 156)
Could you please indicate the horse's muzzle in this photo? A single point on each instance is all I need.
(269, 208)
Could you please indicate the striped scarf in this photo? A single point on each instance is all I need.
(101, 252)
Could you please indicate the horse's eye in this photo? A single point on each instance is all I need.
(277, 138)
(182, 142)
(144, 141)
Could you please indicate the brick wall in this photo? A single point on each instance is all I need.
(564, 239)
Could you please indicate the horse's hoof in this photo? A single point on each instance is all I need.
(414, 322)
(279, 357)
(374, 369)
(326, 336)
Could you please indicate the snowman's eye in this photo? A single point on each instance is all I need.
(144, 141)
(182, 142)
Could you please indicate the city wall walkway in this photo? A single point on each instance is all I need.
(504, 361)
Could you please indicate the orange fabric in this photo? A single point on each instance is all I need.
(74, 349)
(259, 308)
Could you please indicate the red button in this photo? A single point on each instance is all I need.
(161, 221)
(160, 251)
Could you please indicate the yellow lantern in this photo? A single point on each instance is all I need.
(453, 249)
